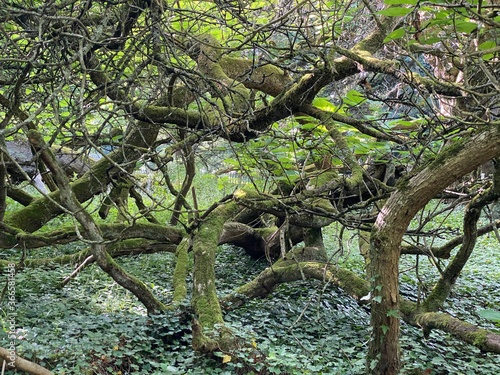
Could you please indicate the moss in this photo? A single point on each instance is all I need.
(35, 215)
(407, 308)
(440, 320)
(437, 297)
(264, 77)
(323, 178)
(351, 283)
(266, 232)
(40, 211)
(125, 244)
(180, 272)
(233, 96)
(303, 254)
(448, 153)
(205, 242)
(479, 338)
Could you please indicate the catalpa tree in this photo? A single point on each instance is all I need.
(350, 112)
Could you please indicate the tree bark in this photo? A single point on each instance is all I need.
(205, 301)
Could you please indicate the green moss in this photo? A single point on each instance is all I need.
(180, 272)
(448, 153)
(303, 254)
(35, 215)
(351, 283)
(205, 242)
(323, 178)
(479, 338)
(407, 308)
(437, 297)
(266, 232)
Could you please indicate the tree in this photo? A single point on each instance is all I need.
(359, 113)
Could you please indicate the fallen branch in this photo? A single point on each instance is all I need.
(77, 270)
(12, 360)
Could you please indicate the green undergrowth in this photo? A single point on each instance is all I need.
(93, 326)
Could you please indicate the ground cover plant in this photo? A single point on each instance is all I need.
(92, 326)
(349, 147)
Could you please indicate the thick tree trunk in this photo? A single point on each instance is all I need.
(205, 301)
(391, 224)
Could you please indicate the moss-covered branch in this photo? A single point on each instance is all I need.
(180, 272)
(291, 270)
(392, 223)
(205, 242)
(452, 271)
(205, 301)
(95, 181)
(264, 77)
(14, 361)
(444, 251)
(483, 339)
(110, 232)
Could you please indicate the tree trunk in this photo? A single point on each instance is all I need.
(456, 161)
(205, 301)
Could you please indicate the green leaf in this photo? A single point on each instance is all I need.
(384, 329)
(396, 34)
(465, 26)
(324, 104)
(395, 11)
(354, 97)
(400, 2)
(232, 162)
(377, 299)
(431, 40)
(487, 45)
(393, 313)
(309, 126)
(490, 314)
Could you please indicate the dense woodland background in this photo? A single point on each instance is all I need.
(249, 187)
